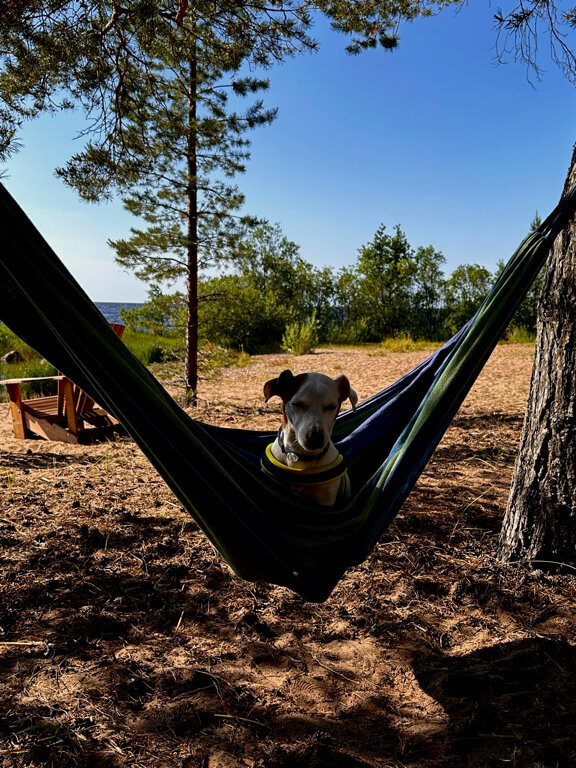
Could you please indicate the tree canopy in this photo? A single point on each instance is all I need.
(57, 54)
(268, 287)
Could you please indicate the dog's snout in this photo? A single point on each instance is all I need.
(315, 438)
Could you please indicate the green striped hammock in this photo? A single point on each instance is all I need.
(262, 531)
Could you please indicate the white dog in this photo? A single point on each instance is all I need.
(303, 454)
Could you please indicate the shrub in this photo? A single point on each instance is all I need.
(301, 338)
(151, 348)
(403, 342)
(9, 341)
(235, 314)
(356, 331)
(519, 334)
(161, 315)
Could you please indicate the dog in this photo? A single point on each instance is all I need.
(303, 454)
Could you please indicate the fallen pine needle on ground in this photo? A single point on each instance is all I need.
(151, 654)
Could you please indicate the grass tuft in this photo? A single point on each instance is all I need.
(403, 342)
(301, 338)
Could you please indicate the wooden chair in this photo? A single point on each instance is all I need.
(70, 416)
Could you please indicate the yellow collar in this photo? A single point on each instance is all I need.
(301, 473)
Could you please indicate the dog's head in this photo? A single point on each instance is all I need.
(310, 404)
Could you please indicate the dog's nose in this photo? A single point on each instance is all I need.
(315, 438)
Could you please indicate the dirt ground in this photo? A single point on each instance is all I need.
(126, 641)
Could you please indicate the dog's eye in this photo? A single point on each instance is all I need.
(331, 407)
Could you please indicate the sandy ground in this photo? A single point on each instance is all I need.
(126, 641)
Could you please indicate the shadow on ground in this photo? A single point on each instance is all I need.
(509, 704)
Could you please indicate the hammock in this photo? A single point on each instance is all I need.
(262, 531)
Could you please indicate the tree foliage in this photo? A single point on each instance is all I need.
(386, 268)
(98, 54)
(271, 294)
(466, 289)
(270, 287)
(392, 289)
(56, 54)
(428, 296)
(277, 269)
(236, 314)
(522, 28)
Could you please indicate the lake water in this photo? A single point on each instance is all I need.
(111, 309)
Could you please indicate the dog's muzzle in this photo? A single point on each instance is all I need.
(314, 439)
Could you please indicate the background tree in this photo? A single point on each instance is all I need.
(350, 323)
(273, 288)
(466, 289)
(265, 289)
(298, 288)
(390, 290)
(525, 319)
(540, 521)
(386, 270)
(274, 266)
(161, 314)
(428, 300)
(236, 314)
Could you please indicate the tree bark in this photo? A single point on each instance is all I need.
(540, 521)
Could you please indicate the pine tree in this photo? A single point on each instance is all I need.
(540, 521)
(173, 161)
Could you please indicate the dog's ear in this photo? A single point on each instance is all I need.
(345, 391)
(280, 386)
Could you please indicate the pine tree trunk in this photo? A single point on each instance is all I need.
(540, 522)
(192, 282)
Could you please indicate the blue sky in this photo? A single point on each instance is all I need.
(434, 136)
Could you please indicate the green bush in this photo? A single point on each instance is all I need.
(519, 334)
(9, 341)
(151, 348)
(235, 314)
(356, 331)
(301, 338)
(162, 315)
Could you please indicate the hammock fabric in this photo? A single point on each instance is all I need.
(262, 531)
